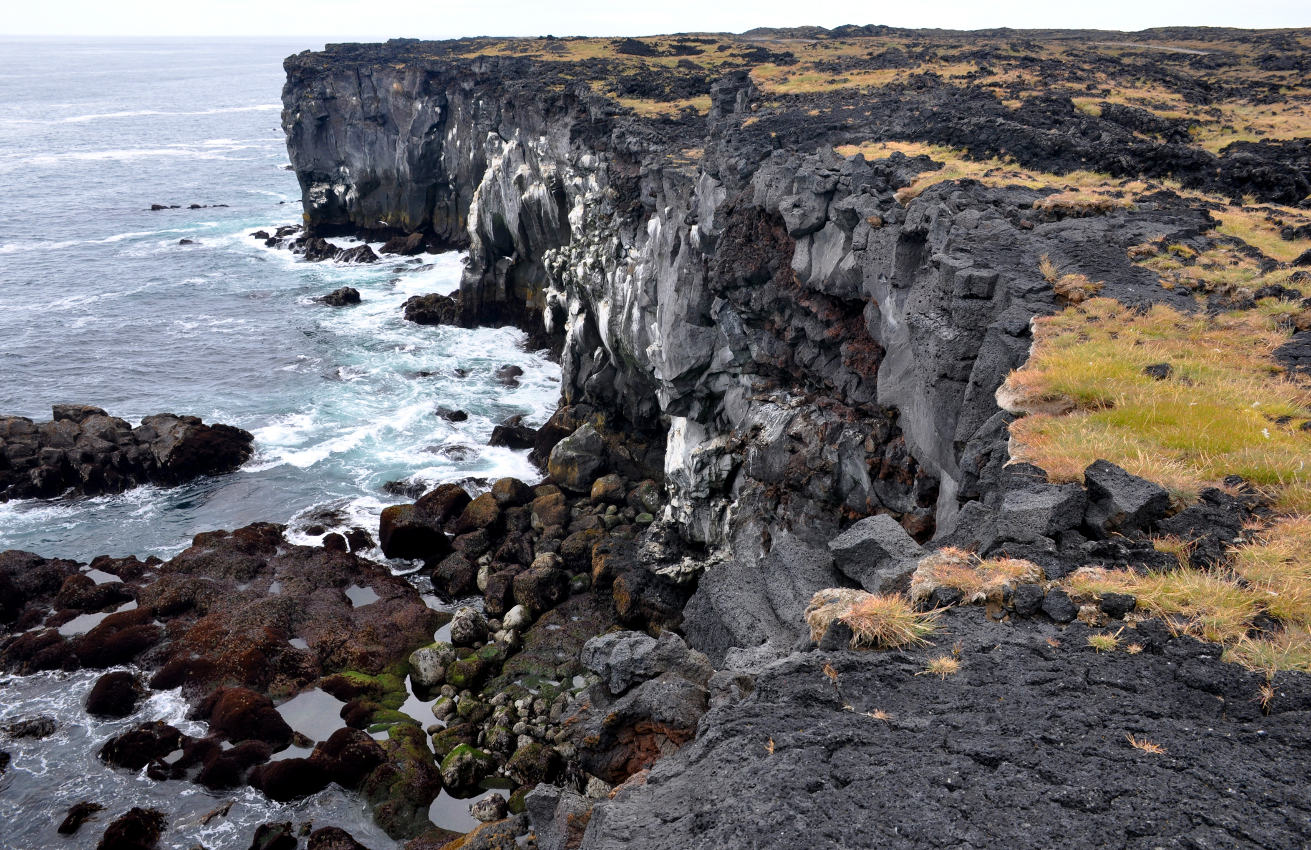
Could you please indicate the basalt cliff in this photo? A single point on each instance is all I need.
(788, 275)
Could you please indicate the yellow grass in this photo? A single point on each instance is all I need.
(883, 622)
(977, 579)
(941, 666)
(1217, 415)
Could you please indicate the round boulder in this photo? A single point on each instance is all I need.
(576, 460)
(115, 695)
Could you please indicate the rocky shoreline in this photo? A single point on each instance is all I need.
(783, 368)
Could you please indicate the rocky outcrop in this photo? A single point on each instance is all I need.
(84, 450)
(825, 749)
(811, 347)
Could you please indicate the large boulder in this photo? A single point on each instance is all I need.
(874, 551)
(405, 531)
(432, 309)
(1119, 501)
(623, 659)
(115, 694)
(240, 714)
(576, 460)
(1040, 510)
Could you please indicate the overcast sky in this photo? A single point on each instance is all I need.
(352, 19)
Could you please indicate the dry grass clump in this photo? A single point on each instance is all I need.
(1227, 409)
(1080, 204)
(877, 621)
(941, 666)
(978, 579)
(1075, 288)
(1145, 745)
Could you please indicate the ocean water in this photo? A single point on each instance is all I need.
(100, 304)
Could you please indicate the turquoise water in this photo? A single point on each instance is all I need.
(99, 304)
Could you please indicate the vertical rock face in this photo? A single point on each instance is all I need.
(813, 349)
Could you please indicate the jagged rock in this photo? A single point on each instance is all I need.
(874, 551)
(1058, 605)
(358, 254)
(443, 503)
(89, 452)
(540, 588)
(623, 659)
(1041, 510)
(42, 726)
(1118, 501)
(455, 576)
(1213, 525)
(576, 459)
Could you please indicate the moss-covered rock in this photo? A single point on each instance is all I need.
(402, 788)
(534, 763)
(466, 766)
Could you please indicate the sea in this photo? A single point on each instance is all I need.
(104, 301)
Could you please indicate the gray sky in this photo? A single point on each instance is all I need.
(352, 19)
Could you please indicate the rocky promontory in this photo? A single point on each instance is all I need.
(84, 450)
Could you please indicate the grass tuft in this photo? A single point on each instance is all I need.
(1103, 642)
(977, 579)
(877, 621)
(941, 666)
(1145, 745)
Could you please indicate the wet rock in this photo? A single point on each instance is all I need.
(139, 829)
(1118, 501)
(5, 758)
(508, 375)
(513, 434)
(333, 838)
(401, 789)
(335, 542)
(468, 627)
(78, 814)
(490, 808)
(42, 726)
(534, 763)
(289, 779)
(135, 748)
(431, 309)
(115, 695)
(406, 531)
(428, 664)
(26, 579)
(274, 836)
(874, 551)
(358, 254)
(511, 492)
(407, 245)
(482, 513)
(240, 714)
(456, 576)
(451, 415)
(83, 450)
(540, 588)
(576, 460)
(464, 767)
(348, 756)
(341, 297)
(81, 593)
(443, 503)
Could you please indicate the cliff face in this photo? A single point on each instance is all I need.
(815, 348)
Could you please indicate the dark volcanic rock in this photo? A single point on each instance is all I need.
(139, 829)
(341, 297)
(78, 814)
(432, 309)
(115, 695)
(806, 760)
(84, 450)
